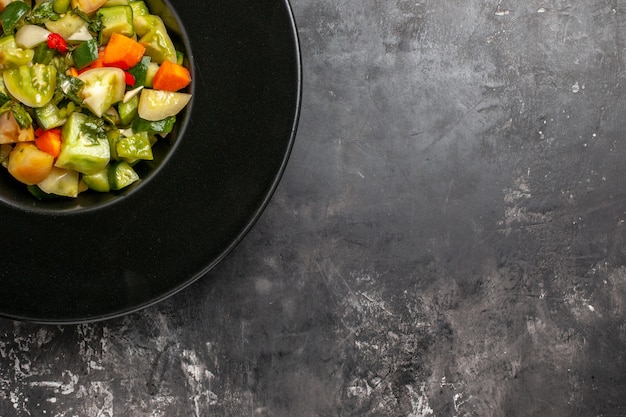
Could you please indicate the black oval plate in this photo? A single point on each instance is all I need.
(76, 265)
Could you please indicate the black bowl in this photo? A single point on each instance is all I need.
(104, 255)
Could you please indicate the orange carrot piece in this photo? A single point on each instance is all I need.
(72, 71)
(49, 141)
(171, 77)
(122, 52)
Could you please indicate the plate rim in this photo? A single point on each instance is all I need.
(253, 218)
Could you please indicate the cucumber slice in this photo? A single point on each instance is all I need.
(151, 71)
(110, 3)
(85, 53)
(121, 175)
(128, 110)
(98, 181)
(139, 8)
(49, 116)
(141, 70)
(116, 19)
(67, 25)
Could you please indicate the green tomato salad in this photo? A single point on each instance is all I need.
(87, 87)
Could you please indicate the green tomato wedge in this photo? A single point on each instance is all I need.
(103, 87)
(63, 182)
(158, 104)
(11, 56)
(153, 35)
(33, 85)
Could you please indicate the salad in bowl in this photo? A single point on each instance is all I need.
(87, 88)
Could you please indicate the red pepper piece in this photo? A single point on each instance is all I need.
(56, 41)
(130, 78)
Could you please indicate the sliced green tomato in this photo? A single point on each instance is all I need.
(32, 85)
(103, 87)
(154, 37)
(157, 104)
(11, 56)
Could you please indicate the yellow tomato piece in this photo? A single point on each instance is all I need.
(28, 164)
(87, 6)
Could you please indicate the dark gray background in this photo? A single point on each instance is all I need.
(448, 238)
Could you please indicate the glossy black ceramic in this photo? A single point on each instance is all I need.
(102, 256)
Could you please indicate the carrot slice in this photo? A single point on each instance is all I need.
(122, 52)
(49, 141)
(171, 77)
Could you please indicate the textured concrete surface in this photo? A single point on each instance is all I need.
(448, 239)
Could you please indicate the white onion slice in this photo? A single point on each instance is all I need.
(81, 35)
(132, 93)
(29, 36)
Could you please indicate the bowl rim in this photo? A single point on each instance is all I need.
(63, 206)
